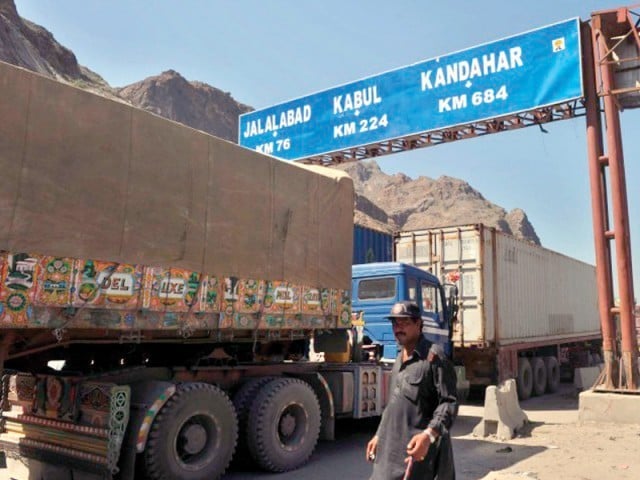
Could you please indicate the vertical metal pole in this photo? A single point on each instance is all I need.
(599, 211)
(620, 217)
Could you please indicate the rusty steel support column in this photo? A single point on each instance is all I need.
(620, 211)
(599, 210)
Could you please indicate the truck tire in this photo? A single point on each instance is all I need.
(283, 424)
(553, 374)
(525, 379)
(194, 435)
(539, 374)
(242, 402)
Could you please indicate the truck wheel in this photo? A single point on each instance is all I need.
(242, 402)
(283, 424)
(539, 373)
(525, 379)
(194, 435)
(553, 374)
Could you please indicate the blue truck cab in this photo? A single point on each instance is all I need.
(376, 287)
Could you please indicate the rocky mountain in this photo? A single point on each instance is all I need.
(170, 95)
(398, 202)
(383, 202)
(195, 104)
(31, 46)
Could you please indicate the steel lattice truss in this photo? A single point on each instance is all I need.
(530, 118)
(616, 28)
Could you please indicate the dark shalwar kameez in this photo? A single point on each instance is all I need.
(422, 394)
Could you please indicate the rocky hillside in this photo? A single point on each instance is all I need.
(384, 202)
(31, 46)
(398, 202)
(170, 95)
(195, 104)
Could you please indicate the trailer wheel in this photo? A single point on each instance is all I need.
(194, 435)
(283, 424)
(525, 379)
(553, 374)
(539, 373)
(242, 402)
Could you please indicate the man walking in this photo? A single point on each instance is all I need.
(412, 441)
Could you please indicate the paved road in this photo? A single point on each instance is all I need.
(343, 459)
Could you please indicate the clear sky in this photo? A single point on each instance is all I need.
(268, 51)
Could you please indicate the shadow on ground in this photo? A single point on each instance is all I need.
(344, 457)
(568, 401)
(477, 458)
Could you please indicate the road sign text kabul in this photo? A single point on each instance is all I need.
(516, 74)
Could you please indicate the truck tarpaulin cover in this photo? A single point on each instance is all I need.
(87, 177)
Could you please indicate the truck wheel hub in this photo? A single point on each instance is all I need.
(287, 425)
(194, 438)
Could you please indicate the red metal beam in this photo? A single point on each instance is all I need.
(530, 118)
(599, 210)
(605, 26)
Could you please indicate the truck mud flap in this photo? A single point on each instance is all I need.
(64, 421)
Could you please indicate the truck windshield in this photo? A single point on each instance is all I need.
(377, 288)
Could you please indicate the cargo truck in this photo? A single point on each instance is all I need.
(524, 311)
(159, 291)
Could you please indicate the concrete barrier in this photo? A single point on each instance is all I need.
(584, 378)
(502, 413)
(608, 407)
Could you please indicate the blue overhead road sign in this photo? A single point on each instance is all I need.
(516, 74)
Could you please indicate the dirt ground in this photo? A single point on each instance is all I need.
(552, 446)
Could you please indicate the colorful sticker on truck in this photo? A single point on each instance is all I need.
(17, 290)
(55, 292)
(173, 290)
(55, 279)
(106, 284)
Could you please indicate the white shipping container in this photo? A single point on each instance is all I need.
(510, 291)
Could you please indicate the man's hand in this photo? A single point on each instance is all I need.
(372, 446)
(418, 447)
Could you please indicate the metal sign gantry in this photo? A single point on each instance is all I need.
(612, 56)
(611, 66)
(538, 117)
(515, 81)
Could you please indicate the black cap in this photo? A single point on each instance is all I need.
(404, 310)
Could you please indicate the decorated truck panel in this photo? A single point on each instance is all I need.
(64, 293)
